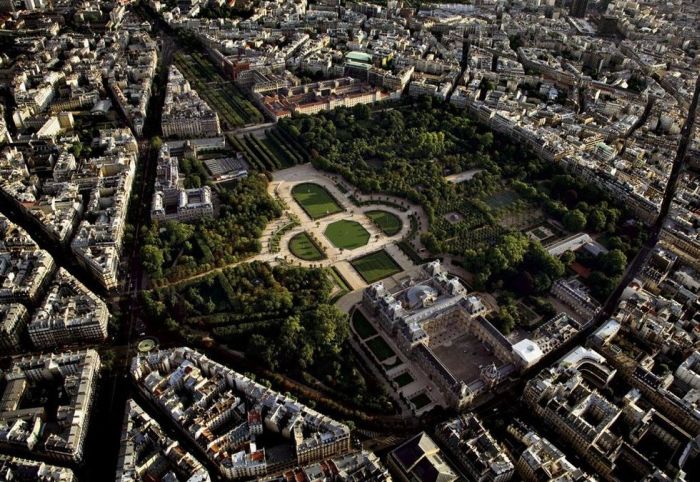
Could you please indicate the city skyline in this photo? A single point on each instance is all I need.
(336, 240)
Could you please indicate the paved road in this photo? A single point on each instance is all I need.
(255, 129)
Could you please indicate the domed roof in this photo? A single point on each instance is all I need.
(420, 295)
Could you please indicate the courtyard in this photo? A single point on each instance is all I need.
(463, 355)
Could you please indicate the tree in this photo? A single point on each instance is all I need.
(540, 260)
(616, 242)
(542, 282)
(261, 349)
(170, 324)
(524, 283)
(430, 242)
(601, 286)
(362, 111)
(574, 221)
(290, 336)
(153, 308)
(507, 318)
(328, 327)
(514, 246)
(568, 257)
(613, 263)
(76, 149)
(596, 220)
(152, 259)
(393, 122)
(156, 143)
(497, 260)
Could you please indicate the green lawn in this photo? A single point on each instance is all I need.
(304, 248)
(346, 234)
(502, 199)
(375, 266)
(420, 401)
(363, 327)
(380, 348)
(403, 379)
(315, 200)
(389, 223)
(338, 278)
(526, 315)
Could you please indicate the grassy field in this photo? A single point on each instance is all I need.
(303, 247)
(346, 234)
(222, 95)
(375, 266)
(363, 327)
(389, 223)
(380, 348)
(315, 200)
(403, 379)
(502, 199)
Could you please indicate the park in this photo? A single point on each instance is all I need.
(357, 237)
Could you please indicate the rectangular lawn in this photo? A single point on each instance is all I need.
(363, 327)
(403, 379)
(375, 266)
(380, 348)
(315, 200)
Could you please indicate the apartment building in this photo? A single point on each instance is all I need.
(69, 313)
(185, 114)
(473, 447)
(13, 324)
(420, 459)
(25, 429)
(225, 398)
